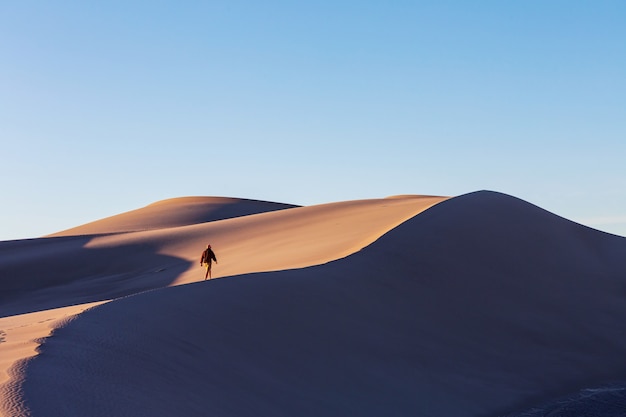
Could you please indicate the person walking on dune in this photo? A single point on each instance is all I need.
(207, 256)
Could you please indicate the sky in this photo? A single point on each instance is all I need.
(108, 106)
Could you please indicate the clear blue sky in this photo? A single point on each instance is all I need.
(108, 106)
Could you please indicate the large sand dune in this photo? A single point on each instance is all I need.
(479, 305)
(44, 281)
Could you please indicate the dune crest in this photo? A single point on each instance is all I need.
(480, 305)
(175, 212)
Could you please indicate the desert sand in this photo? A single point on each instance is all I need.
(478, 305)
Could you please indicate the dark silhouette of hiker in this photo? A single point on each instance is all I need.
(207, 256)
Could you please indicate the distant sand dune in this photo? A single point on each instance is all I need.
(173, 213)
(480, 305)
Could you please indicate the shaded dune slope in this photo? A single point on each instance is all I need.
(175, 212)
(48, 273)
(480, 305)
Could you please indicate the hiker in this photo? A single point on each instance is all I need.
(207, 256)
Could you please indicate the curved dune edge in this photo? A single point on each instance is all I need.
(481, 306)
(290, 238)
(21, 336)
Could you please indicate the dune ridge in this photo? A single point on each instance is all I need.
(481, 305)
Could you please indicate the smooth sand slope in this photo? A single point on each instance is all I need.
(482, 305)
(47, 280)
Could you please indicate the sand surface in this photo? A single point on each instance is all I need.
(478, 305)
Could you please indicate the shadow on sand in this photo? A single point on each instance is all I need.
(46, 273)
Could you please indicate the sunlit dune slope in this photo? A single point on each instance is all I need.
(479, 306)
(175, 212)
(54, 272)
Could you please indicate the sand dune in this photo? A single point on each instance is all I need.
(46, 280)
(175, 212)
(479, 305)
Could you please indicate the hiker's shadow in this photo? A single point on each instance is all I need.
(46, 273)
